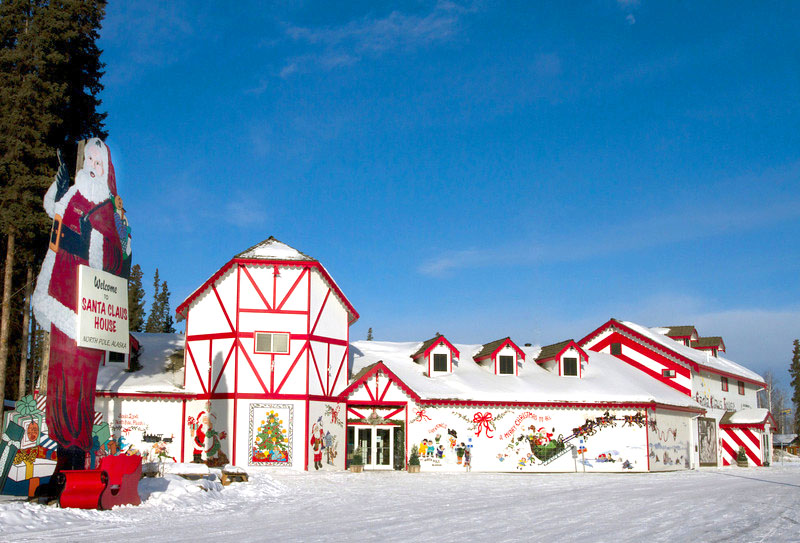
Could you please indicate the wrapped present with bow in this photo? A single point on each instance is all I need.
(29, 463)
(30, 417)
(9, 445)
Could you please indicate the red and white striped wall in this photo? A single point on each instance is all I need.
(749, 437)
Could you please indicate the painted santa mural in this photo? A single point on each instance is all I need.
(89, 229)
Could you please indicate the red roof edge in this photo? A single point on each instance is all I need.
(354, 316)
(379, 366)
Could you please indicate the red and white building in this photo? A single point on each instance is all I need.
(677, 357)
(268, 378)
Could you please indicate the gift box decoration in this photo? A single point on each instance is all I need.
(28, 414)
(9, 445)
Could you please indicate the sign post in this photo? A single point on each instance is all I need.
(102, 310)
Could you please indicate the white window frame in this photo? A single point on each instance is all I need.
(577, 366)
(446, 363)
(271, 342)
(513, 364)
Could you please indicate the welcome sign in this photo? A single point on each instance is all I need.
(102, 310)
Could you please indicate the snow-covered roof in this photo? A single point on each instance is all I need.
(272, 249)
(154, 377)
(702, 358)
(783, 439)
(605, 379)
(753, 415)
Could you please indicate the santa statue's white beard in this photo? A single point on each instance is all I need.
(93, 189)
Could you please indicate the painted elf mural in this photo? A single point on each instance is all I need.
(89, 229)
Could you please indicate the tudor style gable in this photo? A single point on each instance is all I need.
(502, 356)
(270, 322)
(437, 355)
(565, 358)
(377, 384)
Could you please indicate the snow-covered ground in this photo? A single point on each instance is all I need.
(728, 504)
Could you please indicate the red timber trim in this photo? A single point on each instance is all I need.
(305, 438)
(356, 413)
(316, 369)
(662, 349)
(236, 357)
(194, 364)
(291, 290)
(341, 365)
(252, 366)
(647, 436)
(147, 395)
(183, 308)
(183, 430)
(249, 335)
(393, 413)
(377, 405)
(185, 351)
(442, 339)
(579, 405)
(255, 286)
(261, 396)
(224, 364)
(379, 366)
(291, 368)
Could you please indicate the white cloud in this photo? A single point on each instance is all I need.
(630, 19)
(336, 46)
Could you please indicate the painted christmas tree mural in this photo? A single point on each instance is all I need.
(271, 440)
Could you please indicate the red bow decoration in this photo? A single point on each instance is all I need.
(483, 420)
(421, 415)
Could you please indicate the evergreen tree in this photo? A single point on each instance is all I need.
(794, 370)
(135, 299)
(49, 80)
(154, 322)
(166, 314)
(369, 334)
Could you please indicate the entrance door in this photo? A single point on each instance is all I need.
(707, 428)
(377, 446)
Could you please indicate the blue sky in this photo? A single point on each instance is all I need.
(478, 169)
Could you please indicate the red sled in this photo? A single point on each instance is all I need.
(115, 481)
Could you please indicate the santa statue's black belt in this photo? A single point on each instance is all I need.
(66, 239)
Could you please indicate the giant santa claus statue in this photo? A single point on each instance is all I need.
(89, 228)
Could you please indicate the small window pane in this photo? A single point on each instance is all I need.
(570, 366)
(616, 348)
(741, 387)
(116, 357)
(263, 342)
(725, 384)
(280, 343)
(439, 362)
(507, 365)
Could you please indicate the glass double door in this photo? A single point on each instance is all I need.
(377, 446)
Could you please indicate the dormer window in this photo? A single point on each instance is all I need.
(440, 362)
(500, 357)
(564, 358)
(436, 355)
(668, 373)
(507, 365)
